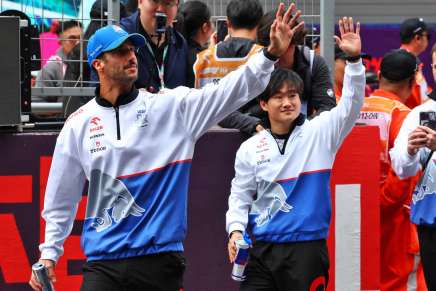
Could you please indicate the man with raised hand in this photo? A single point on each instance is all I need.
(281, 189)
(135, 148)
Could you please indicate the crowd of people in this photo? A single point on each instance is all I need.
(172, 84)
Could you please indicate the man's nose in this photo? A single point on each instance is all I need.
(287, 101)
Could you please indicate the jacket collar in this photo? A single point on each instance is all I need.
(121, 100)
(299, 121)
(386, 94)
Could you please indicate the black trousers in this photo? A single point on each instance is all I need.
(299, 266)
(157, 272)
(427, 245)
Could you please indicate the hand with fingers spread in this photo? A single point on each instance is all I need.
(416, 140)
(283, 30)
(50, 265)
(349, 40)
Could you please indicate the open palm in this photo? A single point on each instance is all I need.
(281, 33)
(349, 40)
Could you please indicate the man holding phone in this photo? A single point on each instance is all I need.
(414, 151)
(163, 61)
(385, 108)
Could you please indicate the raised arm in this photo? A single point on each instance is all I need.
(337, 123)
(201, 109)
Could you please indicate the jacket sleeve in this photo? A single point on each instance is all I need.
(244, 122)
(241, 194)
(203, 108)
(334, 125)
(404, 164)
(49, 76)
(321, 87)
(62, 195)
(395, 191)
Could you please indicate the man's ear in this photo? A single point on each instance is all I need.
(412, 81)
(98, 65)
(205, 27)
(264, 105)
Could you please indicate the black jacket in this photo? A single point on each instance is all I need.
(175, 63)
(318, 88)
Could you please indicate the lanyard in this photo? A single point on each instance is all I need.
(161, 67)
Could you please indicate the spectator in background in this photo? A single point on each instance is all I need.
(415, 37)
(318, 94)
(163, 61)
(399, 251)
(414, 151)
(80, 71)
(52, 74)
(217, 61)
(193, 22)
(48, 41)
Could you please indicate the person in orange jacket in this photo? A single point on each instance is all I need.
(399, 259)
(415, 38)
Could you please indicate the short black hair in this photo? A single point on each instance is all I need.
(65, 25)
(265, 28)
(279, 77)
(244, 13)
(191, 16)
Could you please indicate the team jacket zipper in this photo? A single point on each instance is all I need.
(117, 117)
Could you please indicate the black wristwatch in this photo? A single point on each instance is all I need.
(270, 56)
(353, 59)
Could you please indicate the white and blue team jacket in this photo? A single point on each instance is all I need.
(423, 207)
(286, 197)
(138, 171)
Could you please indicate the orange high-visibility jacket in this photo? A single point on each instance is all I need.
(399, 241)
(210, 68)
(420, 89)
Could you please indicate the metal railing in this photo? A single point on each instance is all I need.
(315, 13)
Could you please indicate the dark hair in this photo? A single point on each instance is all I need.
(265, 28)
(244, 13)
(279, 77)
(99, 10)
(67, 25)
(190, 17)
(131, 7)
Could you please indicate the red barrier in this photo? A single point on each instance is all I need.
(23, 177)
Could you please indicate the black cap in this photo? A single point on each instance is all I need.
(398, 65)
(411, 27)
(340, 54)
(99, 9)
